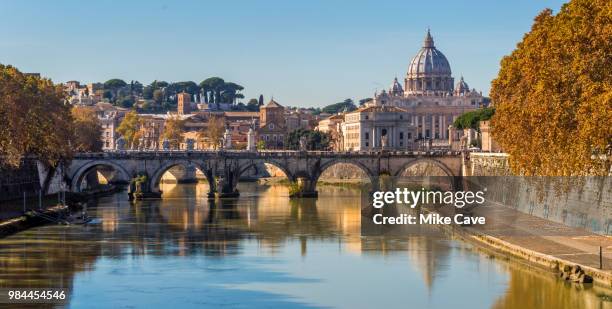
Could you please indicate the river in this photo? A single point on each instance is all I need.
(264, 251)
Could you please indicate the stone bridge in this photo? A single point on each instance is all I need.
(223, 168)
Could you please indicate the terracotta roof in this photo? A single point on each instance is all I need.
(273, 103)
(242, 114)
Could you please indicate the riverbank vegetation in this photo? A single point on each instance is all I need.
(553, 94)
(36, 120)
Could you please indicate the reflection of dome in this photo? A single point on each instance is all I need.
(462, 87)
(429, 71)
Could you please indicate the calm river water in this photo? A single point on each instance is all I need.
(263, 251)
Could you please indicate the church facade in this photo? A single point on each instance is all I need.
(427, 100)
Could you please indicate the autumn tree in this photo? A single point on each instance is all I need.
(129, 127)
(34, 119)
(173, 132)
(553, 94)
(87, 130)
(213, 132)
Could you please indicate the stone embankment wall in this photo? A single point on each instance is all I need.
(584, 202)
(14, 182)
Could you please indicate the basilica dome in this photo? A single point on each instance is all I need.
(429, 72)
(462, 87)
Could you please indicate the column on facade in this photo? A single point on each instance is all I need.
(444, 128)
(433, 126)
(423, 123)
(415, 121)
(373, 138)
(441, 126)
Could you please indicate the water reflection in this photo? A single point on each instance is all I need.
(263, 250)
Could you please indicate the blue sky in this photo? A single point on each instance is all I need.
(306, 53)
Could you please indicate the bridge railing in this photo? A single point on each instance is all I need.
(270, 153)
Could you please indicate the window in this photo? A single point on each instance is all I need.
(401, 135)
(271, 126)
(274, 137)
(367, 135)
(367, 117)
(409, 135)
(367, 144)
(401, 117)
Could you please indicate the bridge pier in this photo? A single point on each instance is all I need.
(140, 188)
(303, 187)
(224, 185)
(225, 188)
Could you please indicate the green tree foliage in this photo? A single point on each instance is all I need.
(136, 88)
(114, 84)
(315, 140)
(253, 105)
(212, 88)
(187, 86)
(553, 94)
(158, 96)
(147, 92)
(126, 102)
(346, 105)
(231, 92)
(34, 119)
(472, 119)
(216, 91)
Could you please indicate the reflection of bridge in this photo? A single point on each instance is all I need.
(223, 168)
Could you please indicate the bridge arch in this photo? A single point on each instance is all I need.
(81, 172)
(157, 175)
(253, 164)
(445, 169)
(367, 171)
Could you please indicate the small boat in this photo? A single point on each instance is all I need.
(78, 219)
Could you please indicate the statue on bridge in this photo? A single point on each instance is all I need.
(227, 138)
(384, 141)
(303, 143)
(120, 143)
(190, 143)
(251, 146)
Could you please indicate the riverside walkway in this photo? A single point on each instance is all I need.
(544, 242)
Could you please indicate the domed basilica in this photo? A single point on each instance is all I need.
(424, 107)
